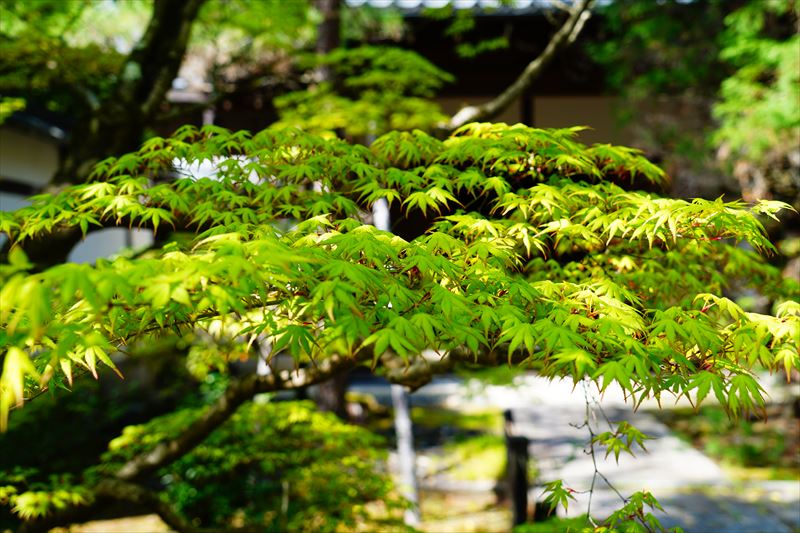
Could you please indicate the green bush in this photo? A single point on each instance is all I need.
(266, 466)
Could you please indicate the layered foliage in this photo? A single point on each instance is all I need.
(543, 252)
(331, 284)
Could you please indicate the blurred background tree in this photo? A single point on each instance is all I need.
(758, 108)
(714, 90)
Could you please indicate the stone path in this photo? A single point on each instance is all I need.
(693, 489)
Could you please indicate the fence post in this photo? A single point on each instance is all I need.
(517, 470)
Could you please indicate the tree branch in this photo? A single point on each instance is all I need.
(417, 372)
(122, 485)
(133, 493)
(235, 395)
(563, 38)
(116, 126)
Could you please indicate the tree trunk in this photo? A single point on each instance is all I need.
(117, 125)
(331, 394)
(328, 32)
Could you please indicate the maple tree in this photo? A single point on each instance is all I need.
(540, 252)
(513, 245)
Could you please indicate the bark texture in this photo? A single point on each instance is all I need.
(328, 33)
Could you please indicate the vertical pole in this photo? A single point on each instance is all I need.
(528, 107)
(262, 365)
(518, 464)
(402, 415)
(209, 116)
(405, 452)
(517, 461)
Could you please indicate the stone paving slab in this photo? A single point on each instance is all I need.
(559, 448)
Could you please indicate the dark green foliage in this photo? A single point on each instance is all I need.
(264, 466)
(664, 47)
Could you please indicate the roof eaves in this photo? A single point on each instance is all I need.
(480, 7)
(27, 121)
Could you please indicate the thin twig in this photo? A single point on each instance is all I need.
(591, 452)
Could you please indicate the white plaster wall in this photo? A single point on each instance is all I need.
(26, 158)
(11, 202)
(597, 112)
(108, 242)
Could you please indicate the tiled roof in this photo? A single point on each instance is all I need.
(517, 7)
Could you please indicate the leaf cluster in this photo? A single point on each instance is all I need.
(759, 119)
(635, 516)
